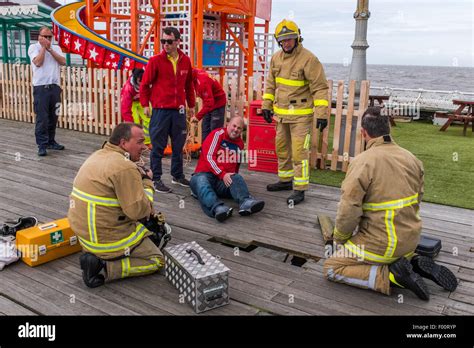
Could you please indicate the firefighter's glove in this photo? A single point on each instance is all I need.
(268, 115)
(144, 172)
(321, 123)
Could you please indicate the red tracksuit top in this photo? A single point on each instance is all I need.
(167, 91)
(220, 154)
(209, 90)
(128, 95)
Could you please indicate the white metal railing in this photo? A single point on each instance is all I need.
(425, 99)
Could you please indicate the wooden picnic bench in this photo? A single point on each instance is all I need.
(459, 115)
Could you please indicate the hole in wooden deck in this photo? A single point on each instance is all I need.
(298, 261)
(271, 253)
(247, 248)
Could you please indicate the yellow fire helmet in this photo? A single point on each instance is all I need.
(287, 30)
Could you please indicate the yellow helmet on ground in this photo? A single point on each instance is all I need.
(287, 30)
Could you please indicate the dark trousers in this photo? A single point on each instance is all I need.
(211, 121)
(46, 102)
(164, 123)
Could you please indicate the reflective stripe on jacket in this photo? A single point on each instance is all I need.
(296, 86)
(381, 195)
(107, 199)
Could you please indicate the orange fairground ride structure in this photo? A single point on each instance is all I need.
(123, 34)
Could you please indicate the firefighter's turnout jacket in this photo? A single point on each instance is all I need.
(381, 196)
(296, 84)
(108, 198)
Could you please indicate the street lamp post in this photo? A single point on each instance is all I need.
(359, 46)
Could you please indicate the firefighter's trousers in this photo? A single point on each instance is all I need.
(292, 142)
(345, 267)
(144, 259)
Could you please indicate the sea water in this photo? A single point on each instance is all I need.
(410, 76)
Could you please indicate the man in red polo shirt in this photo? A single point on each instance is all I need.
(167, 83)
(213, 102)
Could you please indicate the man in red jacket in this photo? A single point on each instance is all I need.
(216, 174)
(167, 83)
(213, 102)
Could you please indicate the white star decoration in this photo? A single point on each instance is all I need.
(92, 54)
(77, 45)
(114, 65)
(108, 63)
(127, 62)
(112, 56)
(66, 40)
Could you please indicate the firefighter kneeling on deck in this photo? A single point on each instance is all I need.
(381, 194)
(295, 90)
(111, 202)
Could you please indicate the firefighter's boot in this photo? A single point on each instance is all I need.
(280, 186)
(296, 198)
(441, 275)
(402, 275)
(91, 267)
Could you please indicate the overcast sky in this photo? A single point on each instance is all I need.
(405, 32)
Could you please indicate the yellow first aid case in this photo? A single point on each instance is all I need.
(46, 242)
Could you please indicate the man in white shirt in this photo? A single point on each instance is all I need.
(46, 60)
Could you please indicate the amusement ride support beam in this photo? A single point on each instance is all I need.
(134, 25)
(199, 32)
(157, 27)
(223, 37)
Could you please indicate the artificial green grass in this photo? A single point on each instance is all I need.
(448, 159)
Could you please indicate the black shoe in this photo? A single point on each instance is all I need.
(296, 198)
(160, 187)
(42, 151)
(11, 227)
(404, 277)
(222, 212)
(441, 275)
(280, 186)
(55, 146)
(183, 181)
(250, 206)
(91, 266)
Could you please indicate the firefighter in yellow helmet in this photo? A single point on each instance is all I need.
(296, 90)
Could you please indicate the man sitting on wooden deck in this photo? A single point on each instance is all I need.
(111, 203)
(381, 194)
(216, 174)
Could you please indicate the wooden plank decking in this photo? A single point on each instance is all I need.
(261, 282)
